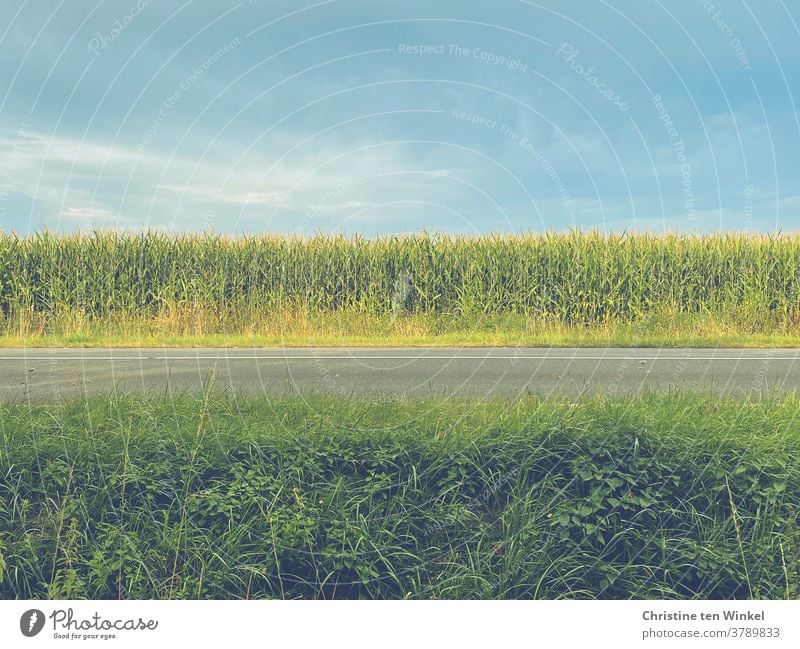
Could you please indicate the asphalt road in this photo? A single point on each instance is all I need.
(39, 375)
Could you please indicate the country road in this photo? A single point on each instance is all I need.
(42, 375)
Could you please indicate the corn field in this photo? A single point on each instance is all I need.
(575, 278)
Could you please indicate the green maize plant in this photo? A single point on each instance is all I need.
(574, 279)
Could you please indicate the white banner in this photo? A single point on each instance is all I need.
(374, 624)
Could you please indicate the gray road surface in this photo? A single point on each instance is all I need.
(39, 375)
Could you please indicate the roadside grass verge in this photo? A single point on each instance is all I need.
(677, 496)
(284, 327)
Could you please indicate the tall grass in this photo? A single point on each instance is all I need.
(321, 497)
(224, 284)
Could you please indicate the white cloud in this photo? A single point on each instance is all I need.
(92, 183)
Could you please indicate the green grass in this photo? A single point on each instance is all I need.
(676, 496)
(554, 289)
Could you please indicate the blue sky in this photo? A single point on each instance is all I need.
(383, 117)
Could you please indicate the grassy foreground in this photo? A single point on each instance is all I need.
(555, 289)
(660, 497)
